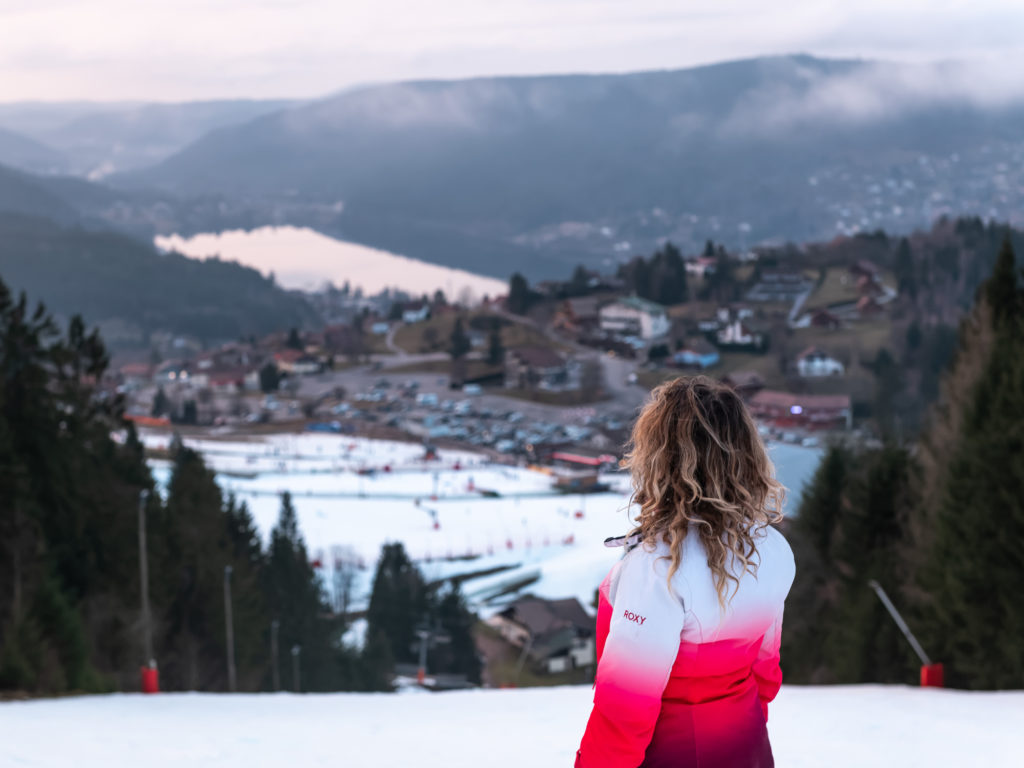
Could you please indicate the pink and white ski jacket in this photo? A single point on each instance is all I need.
(680, 682)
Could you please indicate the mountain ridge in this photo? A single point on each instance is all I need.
(563, 169)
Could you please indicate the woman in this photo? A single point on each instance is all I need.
(689, 620)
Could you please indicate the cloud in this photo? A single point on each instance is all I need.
(176, 49)
(876, 91)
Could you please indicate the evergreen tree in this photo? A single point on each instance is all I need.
(903, 269)
(459, 344)
(495, 349)
(295, 598)
(579, 283)
(161, 403)
(294, 340)
(270, 378)
(398, 602)
(519, 295)
(848, 531)
(459, 655)
(970, 578)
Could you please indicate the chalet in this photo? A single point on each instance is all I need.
(577, 316)
(814, 362)
(780, 286)
(865, 268)
(557, 635)
(415, 312)
(697, 353)
(227, 380)
(297, 362)
(784, 409)
(869, 286)
(540, 368)
(741, 334)
(868, 306)
(822, 318)
(136, 374)
(746, 383)
(702, 267)
(633, 316)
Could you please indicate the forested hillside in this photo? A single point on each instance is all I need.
(108, 276)
(558, 170)
(939, 523)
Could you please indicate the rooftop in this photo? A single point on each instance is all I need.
(641, 305)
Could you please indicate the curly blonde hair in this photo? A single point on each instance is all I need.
(695, 457)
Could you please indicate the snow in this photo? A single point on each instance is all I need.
(359, 493)
(810, 727)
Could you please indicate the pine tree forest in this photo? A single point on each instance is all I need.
(938, 522)
(73, 484)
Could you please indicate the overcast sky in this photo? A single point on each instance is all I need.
(203, 49)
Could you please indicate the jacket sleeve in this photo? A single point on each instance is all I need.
(766, 667)
(646, 620)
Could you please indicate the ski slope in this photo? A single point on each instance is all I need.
(354, 494)
(810, 727)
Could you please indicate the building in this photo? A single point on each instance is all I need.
(697, 353)
(784, 409)
(822, 318)
(746, 383)
(868, 306)
(577, 316)
(780, 286)
(633, 316)
(740, 334)
(540, 368)
(297, 362)
(557, 635)
(866, 268)
(702, 267)
(415, 313)
(814, 362)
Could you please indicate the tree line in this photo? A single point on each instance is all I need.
(73, 475)
(938, 522)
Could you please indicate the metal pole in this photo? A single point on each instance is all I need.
(230, 627)
(275, 667)
(296, 668)
(900, 622)
(421, 672)
(147, 627)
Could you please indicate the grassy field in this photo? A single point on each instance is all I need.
(862, 340)
(838, 287)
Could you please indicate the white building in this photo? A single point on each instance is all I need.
(633, 316)
(814, 362)
(416, 314)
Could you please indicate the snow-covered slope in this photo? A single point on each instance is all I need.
(811, 727)
(353, 494)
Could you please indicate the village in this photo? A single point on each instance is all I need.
(546, 387)
(564, 373)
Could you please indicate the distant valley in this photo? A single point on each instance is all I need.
(539, 174)
(547, 172)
